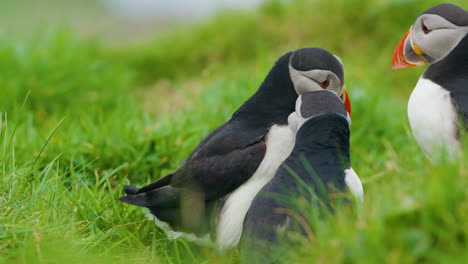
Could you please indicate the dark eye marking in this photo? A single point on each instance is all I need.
(425, 29)
(325, 83)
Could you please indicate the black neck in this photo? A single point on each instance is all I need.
(274, 100)
(451, 68)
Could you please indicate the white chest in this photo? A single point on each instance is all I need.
(433, 118)
(279, 144)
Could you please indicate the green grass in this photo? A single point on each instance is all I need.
(80, 119)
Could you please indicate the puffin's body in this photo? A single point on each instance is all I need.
(438, 106)
(319, 161)
(213, 188)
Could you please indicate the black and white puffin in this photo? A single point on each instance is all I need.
(438, 105)
(213, 188)
(318, 163)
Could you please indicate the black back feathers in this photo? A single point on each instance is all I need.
(320, 102)
(303, 185)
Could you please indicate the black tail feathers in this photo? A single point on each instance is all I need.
(166, 196)
(130, 190)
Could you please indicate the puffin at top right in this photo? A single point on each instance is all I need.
(438, 105)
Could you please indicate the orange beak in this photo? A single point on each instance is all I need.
(407, 54)
(346, 101)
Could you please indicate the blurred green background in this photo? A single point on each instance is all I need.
(97, 94)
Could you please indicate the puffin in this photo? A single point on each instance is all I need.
(205, 200)
(317, 169)
(438, 105)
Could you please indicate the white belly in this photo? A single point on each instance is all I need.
(433, 118)
(279, 144)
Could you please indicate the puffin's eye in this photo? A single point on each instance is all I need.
(425, 29)
(325, 83)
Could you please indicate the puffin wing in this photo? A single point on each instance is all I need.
(166, 180)
(224, 160)
(218, 172)
(215, 168)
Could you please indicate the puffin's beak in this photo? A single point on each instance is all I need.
(407, 54)
(345, 98)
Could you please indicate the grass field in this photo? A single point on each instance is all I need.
(78, 119)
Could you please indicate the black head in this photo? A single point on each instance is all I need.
(315, 69)
(452, 13)
(313, 104)
(433, 36)
(320, 102)
(295, 73)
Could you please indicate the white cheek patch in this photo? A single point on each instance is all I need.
(442, 42)
(308, 81)
(442, 39)
(302, 84)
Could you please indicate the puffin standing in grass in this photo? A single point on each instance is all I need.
(438, 105)
(213, 188)
(314, 175)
